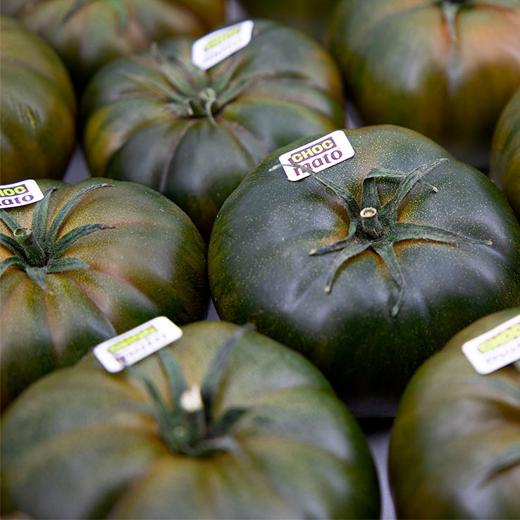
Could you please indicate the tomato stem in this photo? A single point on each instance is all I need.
(370, 222)
(376, 227)
(188, 424)
(33, 250)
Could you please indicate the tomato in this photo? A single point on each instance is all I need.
(505, 159)
(68, 286)
(454, 445)
(157, 119)
(308, 16)
(444, 68)
(221, 424)
(366, 290)
(89, 33)
(37, 105)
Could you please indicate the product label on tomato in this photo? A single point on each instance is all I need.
(19, 194)
(130, 347)
(220, 44)
(316, 156)
(496, 348)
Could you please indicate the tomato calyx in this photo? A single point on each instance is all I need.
(375, 226)
(39, 251)
(188, 425)
(188, 91)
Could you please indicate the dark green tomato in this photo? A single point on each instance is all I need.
(89, 33)
(37, 107)
(392, 299)
(141, 258)
(193, 135)
(454, 450)
(309, 16)
(505, 158)
(271, 438)
(444, 68)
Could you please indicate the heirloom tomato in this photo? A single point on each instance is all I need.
(157, 119)
(455, 444)
(370, 266)
(85, 263)
(445, 68)
(224, 423)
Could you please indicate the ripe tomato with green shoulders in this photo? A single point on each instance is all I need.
(445, 68)
(370, 266)
(85, 263)
(224, 423)
(455, 444)
(157, 119)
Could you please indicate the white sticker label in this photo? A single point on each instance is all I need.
(495, 349)
(19, 194)
(130, 347)
(317, 156)
(220, 44)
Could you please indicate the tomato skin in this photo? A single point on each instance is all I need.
(260, 269)
(38, 107)
(284, 86)
(153, 262)
(453, 427)
(96, 454)
(100, 31)
(403, 64)
(308, 16)
(505, 158)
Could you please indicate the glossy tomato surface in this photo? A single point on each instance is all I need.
(454, 449)
(82, 443)
(89, 33)
(157, 119)
(505, 159)
(444, 68)
(148, 260)
(390, 304)
(37, 106)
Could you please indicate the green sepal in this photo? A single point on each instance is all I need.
(11, 224)
(227, 421)
(60, 265)
(74, 235)
(387, 254)
(174, 376)
(194, 432)
(381, 230)
(13, 246)
(64, 211)
(408, 182)
(12, 261)
(37, 275)
(349, 251)
(216, 370)
(40, 217)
